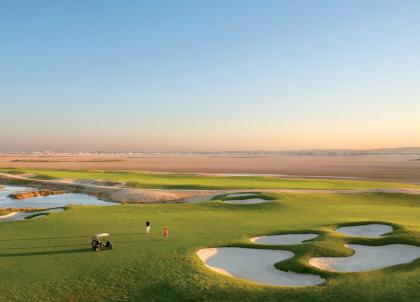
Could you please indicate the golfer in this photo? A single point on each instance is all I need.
(147, 227)
(165, 233)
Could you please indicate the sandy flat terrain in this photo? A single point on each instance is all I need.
(397, 168)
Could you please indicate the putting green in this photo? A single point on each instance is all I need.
(50, 259)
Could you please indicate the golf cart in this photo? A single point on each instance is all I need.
(100, 241)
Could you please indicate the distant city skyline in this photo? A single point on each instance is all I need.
(176, 76)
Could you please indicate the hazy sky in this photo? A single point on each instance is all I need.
(208, 75)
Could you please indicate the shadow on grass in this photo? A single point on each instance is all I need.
(68, 237)
(43, 247)
(138, 241)
(42, 253)
(84, 244)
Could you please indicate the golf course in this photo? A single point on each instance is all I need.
(50, 258)
(210, 151)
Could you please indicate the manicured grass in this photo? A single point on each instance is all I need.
(190, 181)
(51, 260)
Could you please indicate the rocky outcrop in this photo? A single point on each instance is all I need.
(43, 192)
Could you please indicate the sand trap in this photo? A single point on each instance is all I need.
(255, 265)
(283, 239)
(368, 230)
(368, 258)
(15, 216)
(247, 201)
(241, 194)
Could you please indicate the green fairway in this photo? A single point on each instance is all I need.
(191, 181)
(50, 259)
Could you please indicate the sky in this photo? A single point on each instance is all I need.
(208, 75)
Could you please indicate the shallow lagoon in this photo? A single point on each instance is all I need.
(48, 201)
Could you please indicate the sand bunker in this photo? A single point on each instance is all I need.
(246, 198)
(368, 230)
(247, 201)
(255, 265)
(283, 239)
(241, 194)
(15, 216)
(368, 258)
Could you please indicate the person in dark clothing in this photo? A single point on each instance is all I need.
(148, 225)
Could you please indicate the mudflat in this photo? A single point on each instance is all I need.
(387, 168)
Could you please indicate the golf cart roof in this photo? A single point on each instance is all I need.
(101, 235)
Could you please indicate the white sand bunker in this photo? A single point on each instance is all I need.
(255, 265)
(368, 258)
(15, 216)
(368, 230)
(247, 201)
(283, 239)
(241, 194)
(246, 198)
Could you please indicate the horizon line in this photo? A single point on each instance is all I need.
(225, 151)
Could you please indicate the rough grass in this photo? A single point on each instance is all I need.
(12, 171)
(42, 177)
(4, 212)
(191, 181)
(51, 259)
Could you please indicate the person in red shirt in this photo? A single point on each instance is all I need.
(165, 233)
